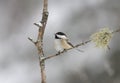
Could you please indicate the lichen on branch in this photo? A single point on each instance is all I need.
(102, 37)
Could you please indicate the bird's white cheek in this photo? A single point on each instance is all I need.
(62, 36)
(57, 45)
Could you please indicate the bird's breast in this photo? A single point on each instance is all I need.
(58, 45)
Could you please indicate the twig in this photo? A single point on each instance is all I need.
(31, 40)
(59, 53)
(118, 30)
(37, 25)
(83, 43)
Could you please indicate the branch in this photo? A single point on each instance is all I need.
(118, 30)
(83, 43)
(39, 42)
(59, 53)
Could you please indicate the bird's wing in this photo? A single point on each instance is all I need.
(73, 46)
(70, 43)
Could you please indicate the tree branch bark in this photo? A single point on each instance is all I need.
(39, 42)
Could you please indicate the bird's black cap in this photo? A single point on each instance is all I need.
(59, 33)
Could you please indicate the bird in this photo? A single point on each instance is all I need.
(61, 42)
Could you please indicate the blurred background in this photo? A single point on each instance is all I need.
(78, 19)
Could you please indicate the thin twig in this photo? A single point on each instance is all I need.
(83, 43)
(118, 30)
(31, 40)
(59, 53)
(37, 25)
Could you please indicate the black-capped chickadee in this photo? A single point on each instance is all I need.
(61, 42)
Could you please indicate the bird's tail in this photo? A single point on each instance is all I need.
(79, 50)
